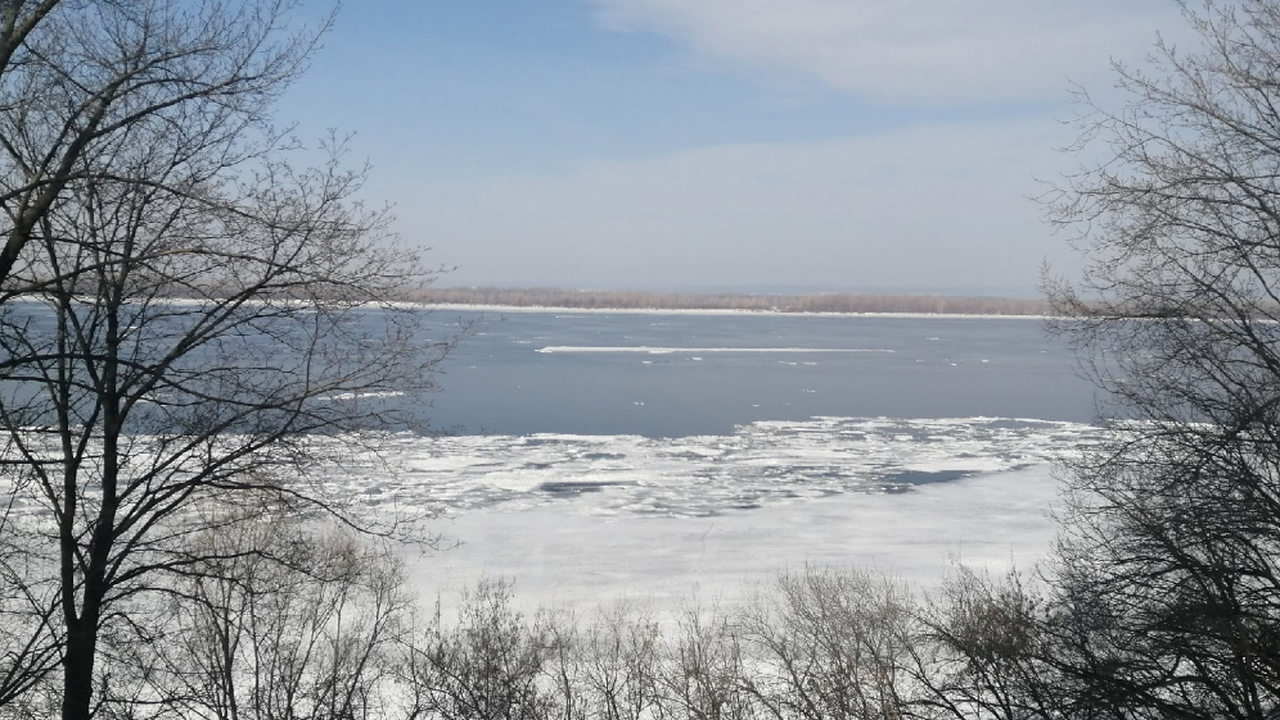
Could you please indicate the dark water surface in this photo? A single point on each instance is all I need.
(670, 375)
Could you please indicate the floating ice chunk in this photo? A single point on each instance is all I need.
(372, 394)
(654, 350)
(758, 466)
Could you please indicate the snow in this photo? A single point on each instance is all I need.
(582, 520)
(558, 558)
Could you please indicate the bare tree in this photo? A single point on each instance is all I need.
(188, 319)
(77, 76)
(619, 656)
(983, 647)
(829, 644)
(703, 669)
(286, 620)
(489, 665)
(602, 665)
(1168, 582)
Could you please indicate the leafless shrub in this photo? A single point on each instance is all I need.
(704, 668)
(619, 663)
(280, 621)
(489, 665)
(981, 650)
(829, 644)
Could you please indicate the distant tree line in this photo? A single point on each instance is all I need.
(820, 303)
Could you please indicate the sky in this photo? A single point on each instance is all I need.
(709, 145)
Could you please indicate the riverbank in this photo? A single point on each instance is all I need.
(556, 300)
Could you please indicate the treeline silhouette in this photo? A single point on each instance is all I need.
(819, 303)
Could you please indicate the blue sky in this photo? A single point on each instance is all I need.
(707, 144)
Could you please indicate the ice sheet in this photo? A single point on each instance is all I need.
(763, 464)
(564, 559)
(585, 520)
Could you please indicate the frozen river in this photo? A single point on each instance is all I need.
(598, 455)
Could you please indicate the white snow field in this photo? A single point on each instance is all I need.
(581, 521)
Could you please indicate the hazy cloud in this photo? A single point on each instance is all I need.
(940, 205)
(910, 51)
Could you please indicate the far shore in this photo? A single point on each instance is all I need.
(647, 302)
(725, 311)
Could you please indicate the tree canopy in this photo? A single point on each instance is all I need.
(1168, 575)
(194, 327)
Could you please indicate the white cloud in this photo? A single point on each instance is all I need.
(929, 205)
(925, 206)
(911, 51)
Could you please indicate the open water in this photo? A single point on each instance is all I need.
(674, 375)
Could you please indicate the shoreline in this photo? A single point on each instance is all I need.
(481, 307)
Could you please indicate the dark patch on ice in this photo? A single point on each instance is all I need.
(921, 477)
(908, 480)
(695, 456)
(1016, 424)
(603, 456)
(576, 487)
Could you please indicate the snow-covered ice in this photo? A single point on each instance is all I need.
(579, 519)
(559, 558)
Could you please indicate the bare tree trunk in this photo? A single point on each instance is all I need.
(77, 668)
